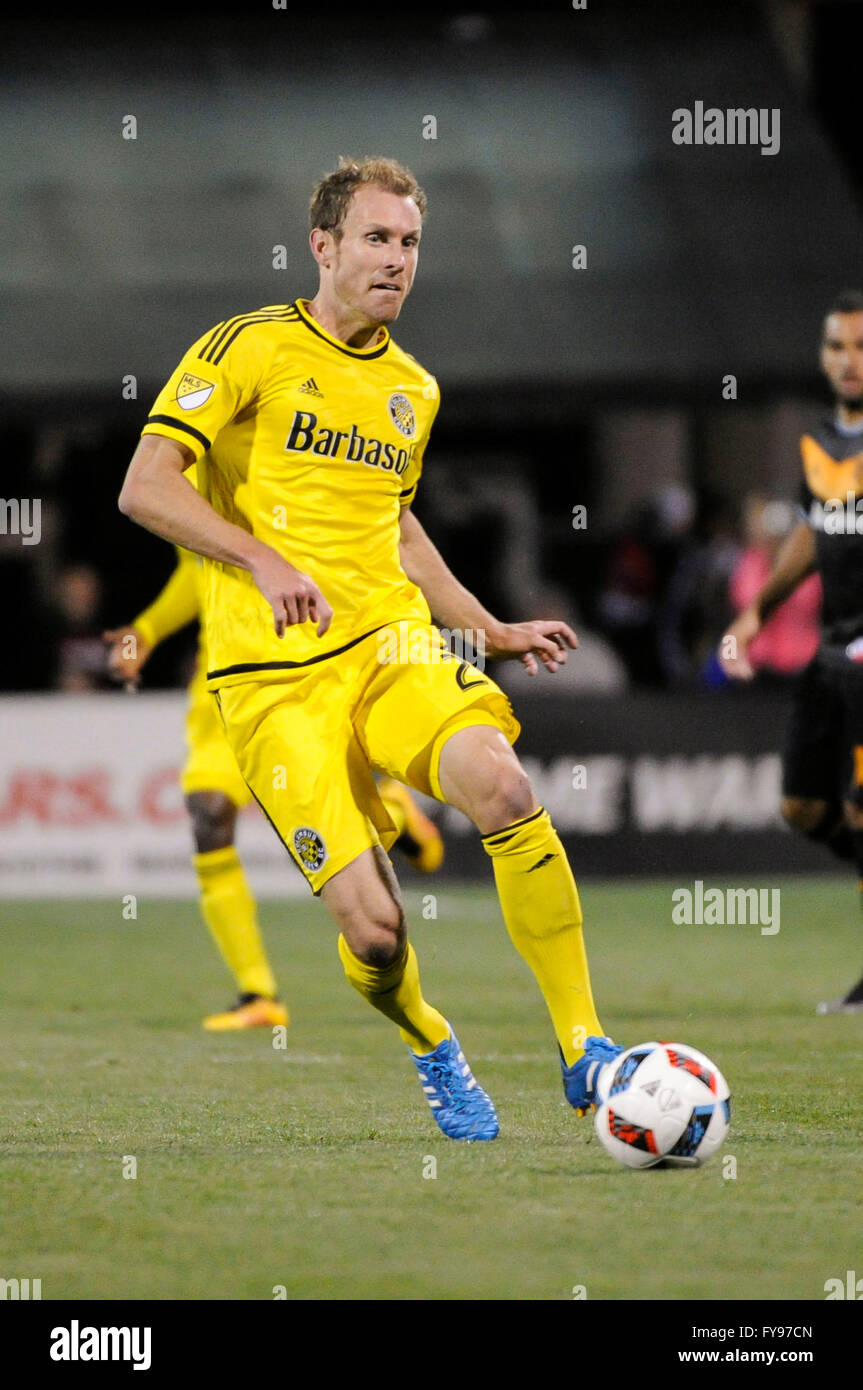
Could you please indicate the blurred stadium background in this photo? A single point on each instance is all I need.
(599, 387)
(303, 1169)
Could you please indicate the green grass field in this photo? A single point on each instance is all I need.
(305, 1167)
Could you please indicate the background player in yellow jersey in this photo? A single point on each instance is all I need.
(309, 426)
(215, 792)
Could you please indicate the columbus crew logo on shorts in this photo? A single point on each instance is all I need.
(402, 415)
(311, 850)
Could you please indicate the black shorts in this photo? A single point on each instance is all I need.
(822, 756)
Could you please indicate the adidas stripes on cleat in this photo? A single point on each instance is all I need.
(580, 1080)
(459, 1104)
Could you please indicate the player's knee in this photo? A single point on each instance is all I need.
(381, 953)
(802, 813)
(510, 799)
(214, 818)
(380, 940)
(374, 927)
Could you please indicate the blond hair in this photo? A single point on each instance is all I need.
(332, 195)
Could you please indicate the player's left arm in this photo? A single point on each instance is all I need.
(455, 607)
(176, 605)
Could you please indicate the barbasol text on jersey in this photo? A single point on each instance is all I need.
(305, 437)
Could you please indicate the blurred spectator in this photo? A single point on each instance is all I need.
(695, 596)
(645, 606)
(789, 638)
(79, 646)
(666, 581)
(482, 513)
(679, 556)
(626, 606)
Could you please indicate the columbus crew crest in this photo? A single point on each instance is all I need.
(310, 848)
(194, 391)
(402, 415)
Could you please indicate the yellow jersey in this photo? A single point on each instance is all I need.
(313, 447)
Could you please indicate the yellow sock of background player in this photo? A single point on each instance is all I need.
(228, 908)
(395, 992)
(540, 906)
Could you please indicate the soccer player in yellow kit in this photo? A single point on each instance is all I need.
(309, 426)
(214, 792)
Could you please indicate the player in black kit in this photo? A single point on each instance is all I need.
(822, 762)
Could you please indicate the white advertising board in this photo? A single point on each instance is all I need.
(90, 802)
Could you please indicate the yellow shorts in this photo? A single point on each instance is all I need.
(210, 765)
(307, 745)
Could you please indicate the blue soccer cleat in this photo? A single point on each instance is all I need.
(580, 1080)
(459, 1104)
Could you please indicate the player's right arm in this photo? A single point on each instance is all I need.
(794, 563)
(157, 496)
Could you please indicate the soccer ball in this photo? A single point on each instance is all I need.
(662, 1103)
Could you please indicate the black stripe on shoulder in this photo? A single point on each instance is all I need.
(227, 332)
(179, 425)
(222, 329)
(249, 323)
(219, 350)
(220, 334)
(212, 338)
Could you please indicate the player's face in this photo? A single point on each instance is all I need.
(375, 260)
(842, 357)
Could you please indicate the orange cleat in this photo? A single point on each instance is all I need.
(250, 1011)
(420, 840)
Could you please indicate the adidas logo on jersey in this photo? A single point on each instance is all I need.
(310, 388)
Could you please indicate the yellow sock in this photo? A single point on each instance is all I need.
(391, 794)
(229, 911)
(540, 906)
(395, 991)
